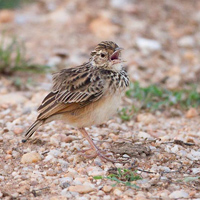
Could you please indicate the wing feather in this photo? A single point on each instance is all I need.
(72, 89)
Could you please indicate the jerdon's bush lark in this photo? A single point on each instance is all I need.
(86, 95)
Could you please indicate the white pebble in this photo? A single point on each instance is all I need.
(31, 157)
(148, 45)
(55, 153)
(179, 194)
(186, 41)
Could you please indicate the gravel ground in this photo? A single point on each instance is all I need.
(161, 41)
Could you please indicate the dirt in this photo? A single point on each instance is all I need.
(161, 44)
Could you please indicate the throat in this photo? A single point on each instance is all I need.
(117, 66)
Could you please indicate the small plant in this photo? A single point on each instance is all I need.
(155, 97)
(13, 58)
(126, 113)
(122, 176)
(11, 4)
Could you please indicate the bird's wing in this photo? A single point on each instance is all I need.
(72, 89)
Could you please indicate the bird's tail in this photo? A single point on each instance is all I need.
(32, 129)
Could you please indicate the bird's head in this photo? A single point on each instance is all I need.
(107, 54)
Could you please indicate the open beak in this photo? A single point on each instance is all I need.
(116, 54)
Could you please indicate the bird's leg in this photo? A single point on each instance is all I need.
(94, 147)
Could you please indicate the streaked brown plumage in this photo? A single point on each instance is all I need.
(86, 95)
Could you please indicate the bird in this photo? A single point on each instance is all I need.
(86, 95)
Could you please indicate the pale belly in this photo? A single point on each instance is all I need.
(95, 113)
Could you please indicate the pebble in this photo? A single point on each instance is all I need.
(66, 193)
(186, 41)
(102, 27)
(81, 189)
(13, 98)
(179, 194)
(146, 118)
(6, 16)
(54, 61)
(55, 153)
(140, 196)
(117, 192)
(7, 157)
(107, 188)
(50, 158)
(51, 172)
(31, 157)
(63, 163)
(18, 130)
(65, 179)
(196, 170)
(15, 154)
(123, 5)
(192, 112)
(95, 171)
(148, 45)
(106, 197)
(143, 135)
(175, 149)
(56, 139)
(2, 178)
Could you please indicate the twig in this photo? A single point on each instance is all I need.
(179, 142)
(149, 172)
(45, 152)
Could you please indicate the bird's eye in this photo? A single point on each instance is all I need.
(103, 55)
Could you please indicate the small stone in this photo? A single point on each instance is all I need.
(67, 139)
(1, 178)
(117, 192)
(57, 138)
(63, 163)
(15, 195)
(50, 158)
(54, 61)
(196, 170)
(148, 45)
(175, 149)
(55, 153)
(64, 185)
(179, 194)
(81, 189)
(173, 83)
(107, 197)
(6, 16)
(66, 193)
(65, 179)
(95, 171)
(140, 196)
(23, 189)
(12, 98)
(15, 154)
(192, 112)
(143, 135)
(107, 188)
(18, 130)
(31, 157)
(146, 118)
(186, 41)
(51, 172)
(102, 27)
